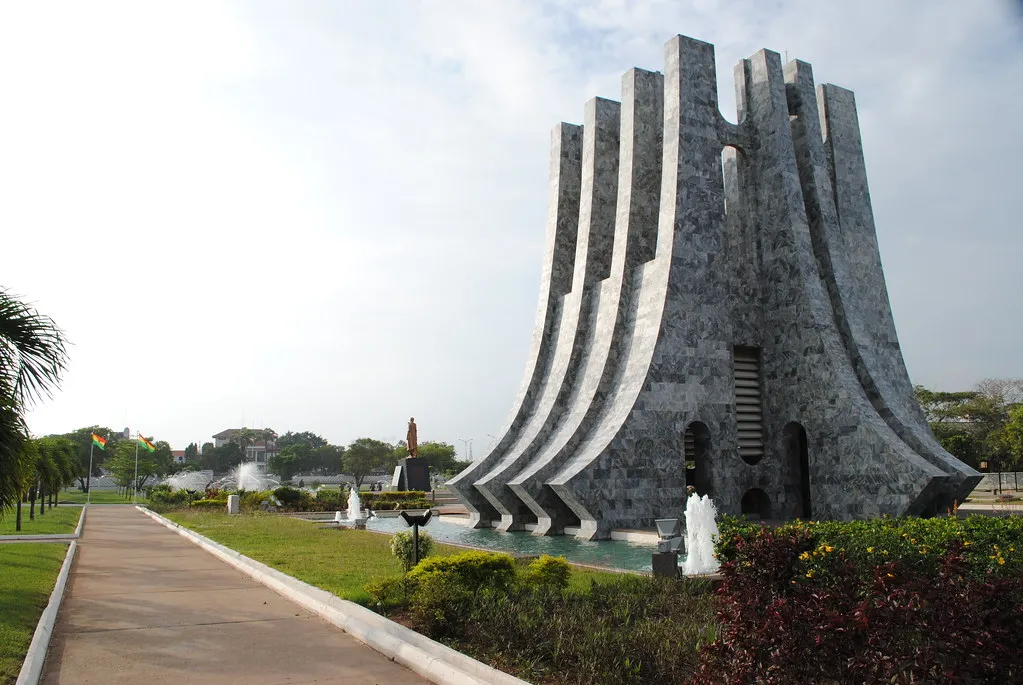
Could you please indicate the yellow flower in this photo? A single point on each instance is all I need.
(870, 550)
(829, 548)
(891, 575)
(967, 543)
(1001, 561)
(804, 556)
(809, 574)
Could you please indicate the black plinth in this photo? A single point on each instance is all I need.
(665, 564)
(414, 474)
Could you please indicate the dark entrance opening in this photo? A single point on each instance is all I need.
(799, 465)
(696, 450)
(756, 504)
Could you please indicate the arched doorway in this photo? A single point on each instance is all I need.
(756, 504)
(798, 459)
(696, 449)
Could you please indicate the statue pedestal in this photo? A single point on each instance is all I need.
(233, 504)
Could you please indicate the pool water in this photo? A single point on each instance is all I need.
(627, 556)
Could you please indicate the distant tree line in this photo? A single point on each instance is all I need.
(980, 425)
(306, 452)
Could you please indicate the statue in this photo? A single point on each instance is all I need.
(412, 438)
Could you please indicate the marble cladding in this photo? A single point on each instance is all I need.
(673, 238)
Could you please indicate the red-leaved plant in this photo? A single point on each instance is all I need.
(793, 612)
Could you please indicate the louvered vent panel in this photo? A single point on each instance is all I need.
(689, 444)
(748, 406)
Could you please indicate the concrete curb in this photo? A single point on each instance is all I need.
(52, 537)
(81, 523)
(32, 669)
(428, 658)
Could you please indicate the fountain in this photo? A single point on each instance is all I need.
(190, 480)
(701, 530)
(247, 476)
(355, 507)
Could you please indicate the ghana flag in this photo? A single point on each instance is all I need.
(99, 442)
(146, 444)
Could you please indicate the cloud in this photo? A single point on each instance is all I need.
(330, 216)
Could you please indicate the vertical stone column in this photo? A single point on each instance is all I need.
(858, 285)
(592, 264)
(635, 234)
(674, 365)
(555, 281)
(858, 466)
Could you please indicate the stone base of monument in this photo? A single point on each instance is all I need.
(665, 564)
(233, 504)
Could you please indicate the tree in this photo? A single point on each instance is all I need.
(290, 460)
(327, 459)
(45, 472)
(312, 440)
(439, 455)
(60, 453)
(1012, 438)
(971, 424)
(122, 466)
(365, 456)
(223, 458)
(191, 453)
(82, 441)
(32, 359)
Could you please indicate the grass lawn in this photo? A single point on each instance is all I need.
(61, 520)
(98, 497)
(339, 561)
(29, 572)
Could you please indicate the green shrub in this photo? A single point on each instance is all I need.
(162, 495)
(288, 497)
(401, 504)
(473, 570)
(253, 500)
(547, 571)
(330, 499)
(402, 543)
(441, 604)
(388, 593)
(399, 495)
(209, 504)
(633, 630)
(916, 544)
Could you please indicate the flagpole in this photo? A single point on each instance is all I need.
(88, 477)
(135, 484)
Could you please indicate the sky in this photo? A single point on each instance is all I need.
(330, 216)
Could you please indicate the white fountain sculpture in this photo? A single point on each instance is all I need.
(701, 532)
(354, 507)
(190, 480)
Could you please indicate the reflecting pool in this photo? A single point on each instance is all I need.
(629, 556)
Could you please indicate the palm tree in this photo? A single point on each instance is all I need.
(32, 359)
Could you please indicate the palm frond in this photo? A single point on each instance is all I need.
(32, 351)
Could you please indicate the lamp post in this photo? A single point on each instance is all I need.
(467, 448)
(414, 521)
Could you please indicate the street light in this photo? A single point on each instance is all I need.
(467, 447)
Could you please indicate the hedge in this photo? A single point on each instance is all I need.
(890, 600)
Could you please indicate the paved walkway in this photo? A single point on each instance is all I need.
(144, 605)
